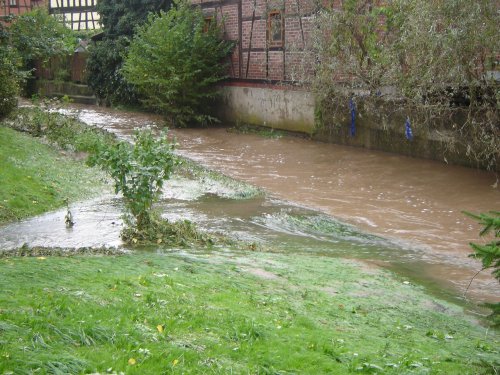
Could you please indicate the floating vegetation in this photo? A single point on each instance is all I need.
(216, 182)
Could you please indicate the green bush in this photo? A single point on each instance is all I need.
(9, 80)
(174, 60)
(39, 35)
(118, 18)
(104, 72)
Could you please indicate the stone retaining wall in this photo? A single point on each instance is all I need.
(379, 125)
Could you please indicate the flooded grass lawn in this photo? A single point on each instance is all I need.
(226, 312)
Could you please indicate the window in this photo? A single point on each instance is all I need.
(207, 24)
(275, 29)
(13, 2)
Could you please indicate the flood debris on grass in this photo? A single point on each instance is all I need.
(43, 251)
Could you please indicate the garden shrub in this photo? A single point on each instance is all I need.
(39, 35)
(174, 61)
(9, 80)
(104, 72)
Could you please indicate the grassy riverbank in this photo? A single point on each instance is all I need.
(221, 312)
(35, 178)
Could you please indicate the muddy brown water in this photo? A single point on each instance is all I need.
(414, 203)
(417, 202)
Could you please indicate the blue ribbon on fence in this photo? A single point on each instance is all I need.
(352, 107)
(408, 131)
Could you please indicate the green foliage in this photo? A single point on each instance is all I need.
(64, 131)
(138, 172)
(434, 58)
(104, 72)
(119, 19)
(9, 80)
(175, 63)
(38, 35)
(489, 253)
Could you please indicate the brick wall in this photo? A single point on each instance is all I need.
(20, 6)
(246, 23)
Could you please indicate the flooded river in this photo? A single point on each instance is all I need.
(408, 211)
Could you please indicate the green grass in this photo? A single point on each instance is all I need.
(35, 178)
(221, 313)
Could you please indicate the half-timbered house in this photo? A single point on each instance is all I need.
(76, 14)
(269, 63)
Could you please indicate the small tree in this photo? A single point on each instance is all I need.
(38, 35)
(138, 172)
(174, 60)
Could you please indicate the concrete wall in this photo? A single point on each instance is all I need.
(277, 108)
(380, 125)
(77, 92)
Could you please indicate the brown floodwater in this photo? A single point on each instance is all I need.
(416, 202)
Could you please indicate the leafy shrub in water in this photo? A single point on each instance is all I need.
(174, 60)
(138, 172)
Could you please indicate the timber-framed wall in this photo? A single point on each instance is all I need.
(269, 36)
(268, 64)
(76, 14)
